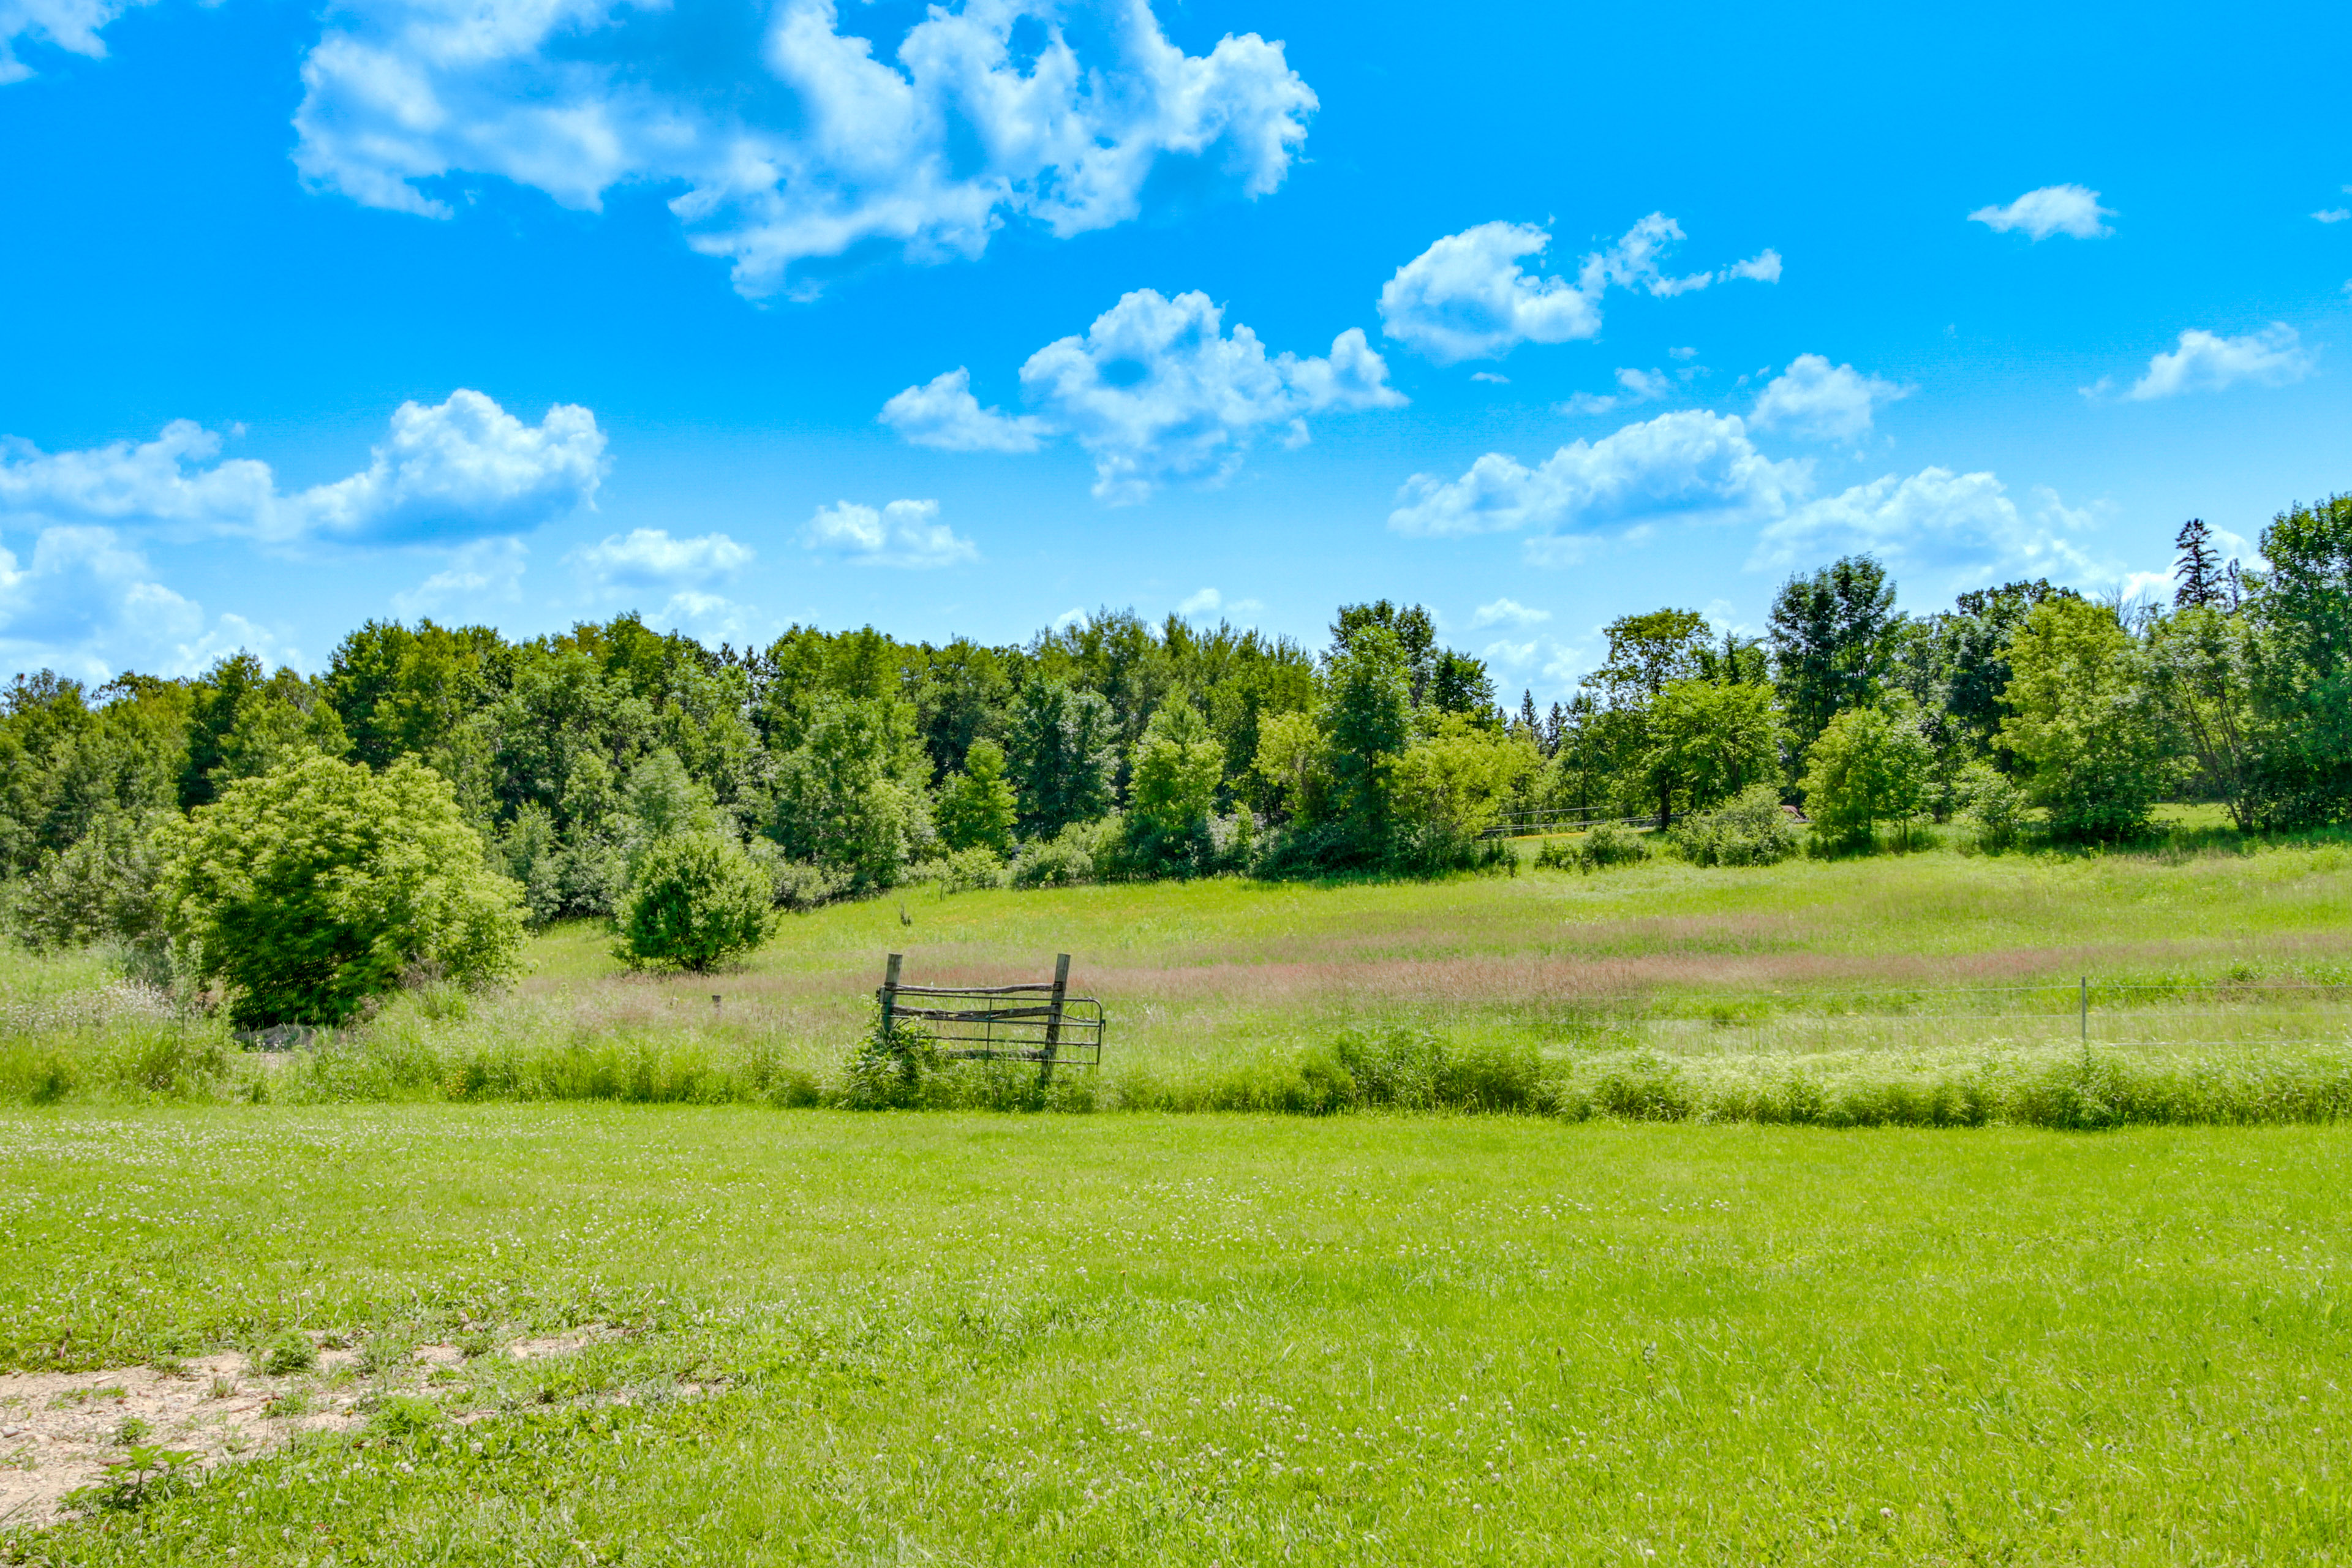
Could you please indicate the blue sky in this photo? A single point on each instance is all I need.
(958, 320)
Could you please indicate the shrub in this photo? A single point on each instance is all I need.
(310, 890)
(1602, 845)
(695, 902)
(1071, 856)
(893, 1071)
(1994, 806)
(1750, 830)
(962, 871)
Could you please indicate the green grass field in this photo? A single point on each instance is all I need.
(836, 1338)
(826, 1337)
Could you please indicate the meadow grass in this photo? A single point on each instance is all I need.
(1893, 987)
(945, 1338)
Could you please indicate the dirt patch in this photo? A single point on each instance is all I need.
(58, 1431)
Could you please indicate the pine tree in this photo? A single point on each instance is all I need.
(2199, 568)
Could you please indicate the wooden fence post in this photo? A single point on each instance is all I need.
(1053, 1018)
(890, 993)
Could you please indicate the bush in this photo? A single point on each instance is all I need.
(1602, 845)
(962, 871)
(1750, 830)
(308, 891)
(1993, 806)
(1074, 855)
(695, 902)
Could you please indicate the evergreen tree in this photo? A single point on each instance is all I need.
(2199, 568)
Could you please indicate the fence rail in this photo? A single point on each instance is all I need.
(1062, 1030)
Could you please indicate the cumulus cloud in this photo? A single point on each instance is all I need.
(650, 558)
(1206, 602)
(1508, 610)
(1697, 467)
(1156, 390)
(903, 534)
(1634, 386)
(1964, 527)
(466, 465)
(462, 468)
(2053, 209)
(798, 143)
(2333, 215)
(1822, 401)
(943, 413)
(1468, 296)
(2205, 363)
(72, 25)
(1689, 463)
(89, 605)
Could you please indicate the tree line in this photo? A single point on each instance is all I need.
(842, 762)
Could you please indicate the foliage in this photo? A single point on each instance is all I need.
(1451, 785)
(1070, 857)
(1600, 846)
(696, 900)
(845, 796)
(1708, 743)
(977, 810)
(308, 891)
(1834, 633)
(1869, 765)
(2092, 737)
(1063, 749)
(1173, 794)
(1751, 829)
(1993, 804)
(2302, 665)
(1365, 720)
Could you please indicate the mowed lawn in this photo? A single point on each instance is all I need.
(983, 1339)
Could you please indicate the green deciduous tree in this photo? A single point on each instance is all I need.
(2302, 665)
(306, 891)
(2087, 723)
(1173, 792)
(1869, 765)
(694, 900)
(1062, 752)
(1833, 640)
(977, 808)
(1708, 743)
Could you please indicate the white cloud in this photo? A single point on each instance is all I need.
(803, 143)
(88, 605)
(1824, 402)
(2053, 209)
(1513, 654)
(2204, 363)
(1206, 602)
(1682, 353)
(2333, 215)
(1156, 390)
(486, 570)
(69, 25)
(1467, 296)
(649, 557)
(1489, 375)
(1507, 609)
(1690, 464)
(711, 617)
(1964, 527)
(1069, 618)
(943, 413)
(1636, 387)
(463, 468)
(903, 534)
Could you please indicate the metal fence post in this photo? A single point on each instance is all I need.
(1053, 1019)
(890, 993)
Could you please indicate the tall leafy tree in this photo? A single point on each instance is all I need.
(1366, 719)
(1834, 635)
(2302, 608)
(2087, 722)
(1063, 748)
